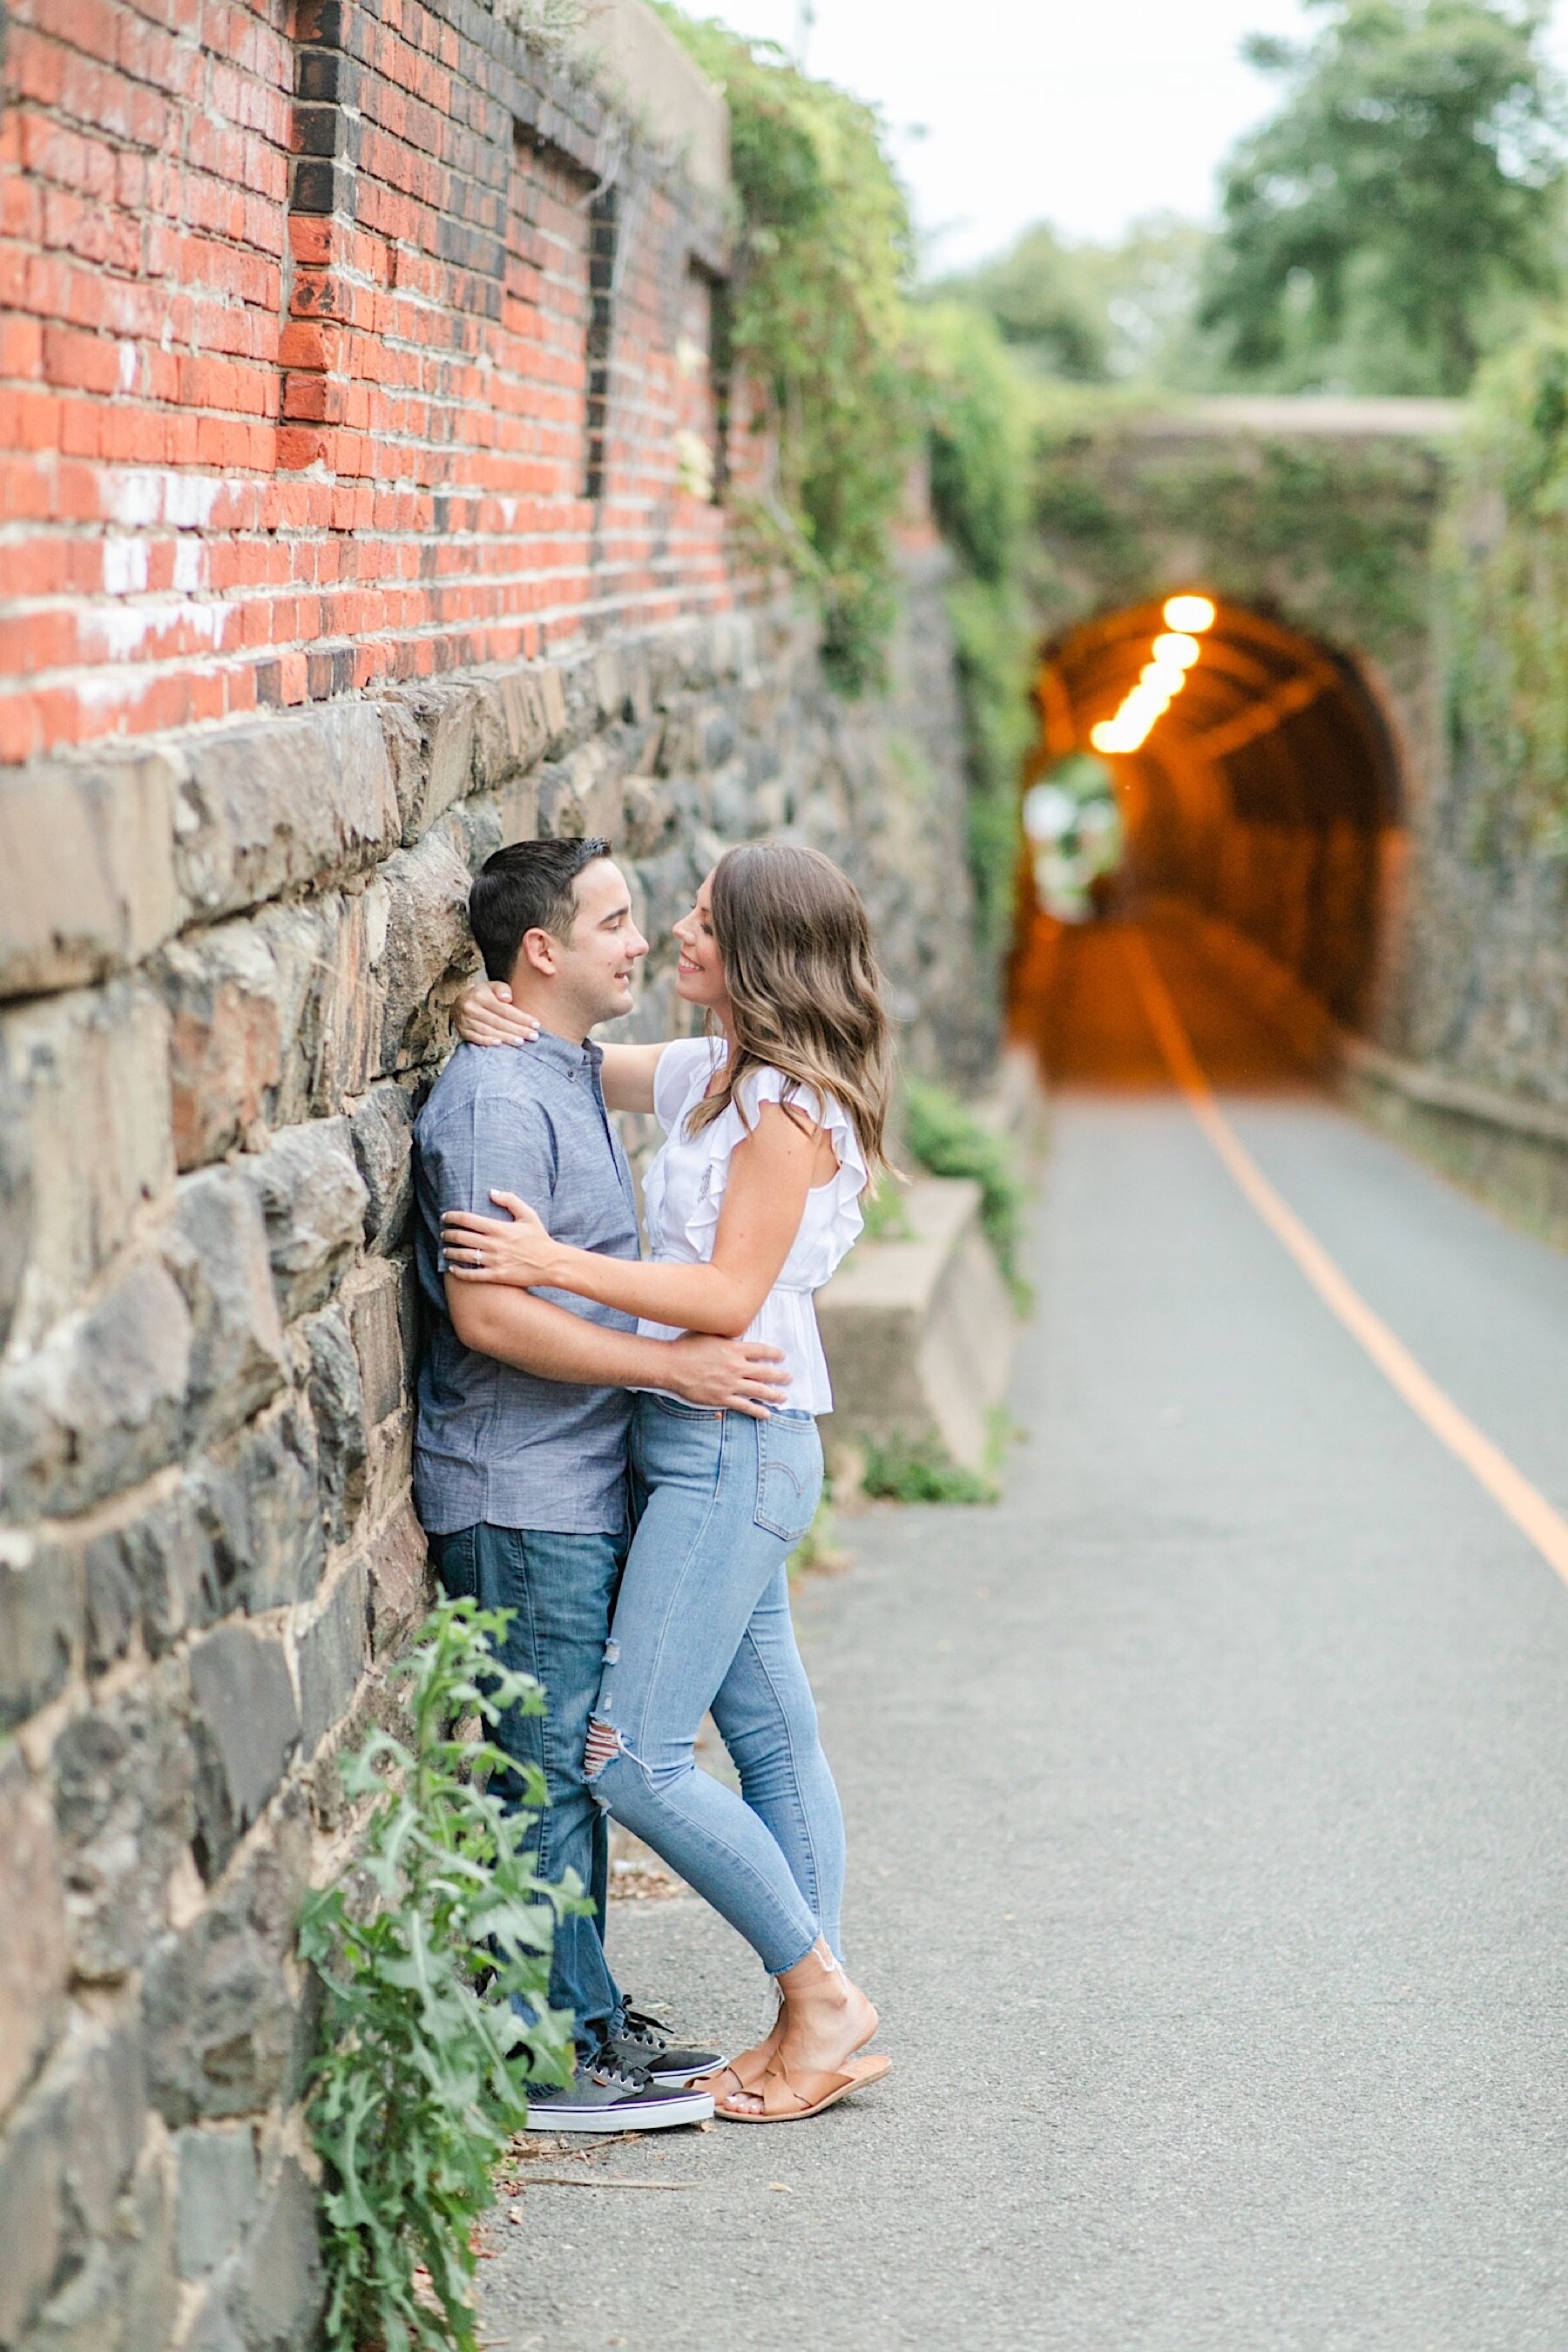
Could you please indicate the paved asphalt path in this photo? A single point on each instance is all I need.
(1207, 1805)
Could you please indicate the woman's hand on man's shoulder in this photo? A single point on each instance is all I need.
(484, 1014)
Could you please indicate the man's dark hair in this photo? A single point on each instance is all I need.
(529, 885)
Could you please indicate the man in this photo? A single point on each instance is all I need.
(519, 1461)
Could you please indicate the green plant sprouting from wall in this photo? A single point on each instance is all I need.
(1503, 560)
(947, 1140)
(818, 320)
(419, 2080)
(899, 1469)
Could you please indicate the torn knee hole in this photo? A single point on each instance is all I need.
(604, 1742)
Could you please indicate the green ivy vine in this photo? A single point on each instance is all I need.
(977, 436)
(1333, 535)
(818, 320)
(1502, 557)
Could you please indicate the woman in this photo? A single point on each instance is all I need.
(772, 1124)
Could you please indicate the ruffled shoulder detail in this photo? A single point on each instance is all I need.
(841, 1196)
(683, 1073)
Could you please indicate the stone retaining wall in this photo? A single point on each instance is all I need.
(230, 955)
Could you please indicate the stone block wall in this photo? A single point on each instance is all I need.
(237, 963)
(1484, 993)
(366, 474)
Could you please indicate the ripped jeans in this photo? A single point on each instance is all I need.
(702, 1620)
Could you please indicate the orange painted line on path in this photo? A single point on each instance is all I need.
(1529, 1509)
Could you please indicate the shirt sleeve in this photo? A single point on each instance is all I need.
(675, 1075)
(492, 1144)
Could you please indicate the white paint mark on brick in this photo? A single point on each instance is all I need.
(107, 691)
(133, 497)
(124, 566)
(190, 565)
(189, 499)
(120, 632)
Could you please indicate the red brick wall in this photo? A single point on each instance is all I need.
(296, 332)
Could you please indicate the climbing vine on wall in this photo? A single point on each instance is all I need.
(978, 435)
(819, 322)
(1503, 568)
(1332, 534)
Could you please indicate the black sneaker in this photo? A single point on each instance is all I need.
(605, 2096)
(643, 2043)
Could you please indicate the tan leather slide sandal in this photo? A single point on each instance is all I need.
(746, 2070)
(787, 2102)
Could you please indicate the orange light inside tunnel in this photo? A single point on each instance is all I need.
(1266, 792)
(1177, 648)
(1190, 613)
(1160, 681)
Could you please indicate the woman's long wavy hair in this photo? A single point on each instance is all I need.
(804, 991)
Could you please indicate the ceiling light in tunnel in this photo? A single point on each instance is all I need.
(1127, 731)
(1114, 735)
(1178, 648)
(1189, 613)
(1159, 682)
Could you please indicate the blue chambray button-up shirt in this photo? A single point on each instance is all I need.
(492, 1443)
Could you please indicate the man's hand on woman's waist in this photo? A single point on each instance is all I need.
(727, 1375)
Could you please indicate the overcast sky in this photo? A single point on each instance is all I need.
(1084, 112)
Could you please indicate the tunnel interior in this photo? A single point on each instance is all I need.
(1255, 776)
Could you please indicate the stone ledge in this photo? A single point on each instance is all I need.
(919, 1333)
(642, 64)
(1435, 1090)
(1512, 1154)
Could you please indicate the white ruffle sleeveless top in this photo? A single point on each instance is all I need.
(683, 1192)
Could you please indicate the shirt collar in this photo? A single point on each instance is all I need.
(561, 1054)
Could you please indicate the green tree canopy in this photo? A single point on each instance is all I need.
(1085, 313)
(1411, 175)
(1044, 302)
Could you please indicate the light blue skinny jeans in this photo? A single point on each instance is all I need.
(702, 1621)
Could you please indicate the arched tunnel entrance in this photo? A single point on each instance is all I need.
(1258, 791)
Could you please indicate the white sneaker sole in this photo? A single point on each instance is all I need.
(629, 2115)
(677, 2081)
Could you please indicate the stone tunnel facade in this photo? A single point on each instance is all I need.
(1338, 821)
(368, 468)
